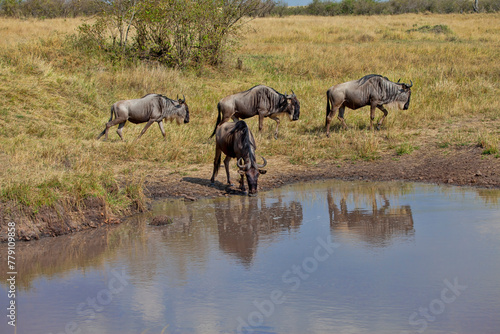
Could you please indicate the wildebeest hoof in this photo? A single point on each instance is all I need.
(252, 194)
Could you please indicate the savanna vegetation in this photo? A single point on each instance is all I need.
(56, 95)
(391, 7)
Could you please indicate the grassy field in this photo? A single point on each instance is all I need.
(56, 100)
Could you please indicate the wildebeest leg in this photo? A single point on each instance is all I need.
(101, 134)
(113, 123)
(242, 183)
(341, 117)
(106, 127)
(277, 119)
(218, 153)
(226, 165)
(261, 121)
(234, 118)
(119, 130)
(148, 124)
(381, 107)
(160, 124)
(372, 116)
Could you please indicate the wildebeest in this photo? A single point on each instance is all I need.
(258, 100)
(236, 141)
(373, 90)
(149, 108)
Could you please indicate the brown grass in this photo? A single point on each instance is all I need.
(56, 99)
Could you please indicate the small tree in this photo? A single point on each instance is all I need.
(175, 32)
(475, 6)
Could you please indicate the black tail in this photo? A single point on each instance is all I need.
(240, 126)
(219, 119)
(327, 108)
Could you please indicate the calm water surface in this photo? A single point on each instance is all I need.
(323, 257)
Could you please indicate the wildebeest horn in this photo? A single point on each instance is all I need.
(242, 165)
(399, 80)
(411, 84)
(293, 92)
(183, 98)
(265, 163)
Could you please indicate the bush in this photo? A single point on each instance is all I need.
(176, 33)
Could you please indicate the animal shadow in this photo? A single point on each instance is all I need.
(217, 185)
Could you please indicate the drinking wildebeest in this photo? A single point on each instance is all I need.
(149, 108)
(236, 141)
(259, 100)
(373, 90)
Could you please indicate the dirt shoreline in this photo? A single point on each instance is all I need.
(462, 167)
(465, 166)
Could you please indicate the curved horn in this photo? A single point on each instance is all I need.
(177, 98)
(399, 80)
(242, 165)
(411, 84)
(293, 93)
(265, 163)
(183, 98)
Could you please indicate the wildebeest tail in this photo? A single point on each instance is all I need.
(240, 126)
(219, 119)
(327, 108)
(112, 112)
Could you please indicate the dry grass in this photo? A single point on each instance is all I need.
(56, 99)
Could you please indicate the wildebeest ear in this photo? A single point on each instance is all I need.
(262, 171)
(241, 172)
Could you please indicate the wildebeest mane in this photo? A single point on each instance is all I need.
(277, 99)
(244, 139)
(369, 76)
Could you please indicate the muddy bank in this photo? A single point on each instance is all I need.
(53, 221)
(463, 167)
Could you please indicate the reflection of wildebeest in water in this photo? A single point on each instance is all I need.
(376, 226)
(150, 108)
(371, 90)
(242, 221)
(259, 100)
(236, 141)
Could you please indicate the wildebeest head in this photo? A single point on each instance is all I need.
(252, 173)
(403, 98)
(293, 106)
(182, 110)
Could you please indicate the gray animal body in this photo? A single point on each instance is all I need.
(259, 100)
(371, 90)
(235, 140)
(150, 108)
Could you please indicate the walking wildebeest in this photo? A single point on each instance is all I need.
(373, 90)
(259, 100)
(149, 108)
(236, 141)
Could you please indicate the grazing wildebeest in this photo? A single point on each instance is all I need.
(259, 100)
(236, 141)
(149, 108)
(373, 90)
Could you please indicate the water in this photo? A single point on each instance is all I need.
(323, 257)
